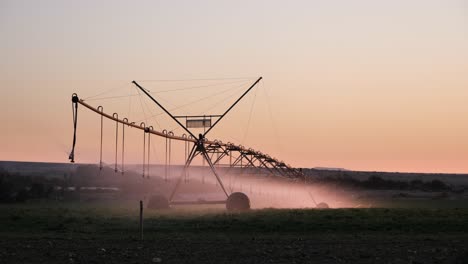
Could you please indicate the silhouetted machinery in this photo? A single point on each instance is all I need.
(201, 147)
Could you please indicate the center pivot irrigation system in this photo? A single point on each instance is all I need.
(246, 157)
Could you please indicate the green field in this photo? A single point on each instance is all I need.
(99, 233)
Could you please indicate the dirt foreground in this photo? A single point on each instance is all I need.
(59, 234)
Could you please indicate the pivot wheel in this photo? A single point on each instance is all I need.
(238, 202)
(158, 202)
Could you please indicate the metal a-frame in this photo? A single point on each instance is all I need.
(199, 147)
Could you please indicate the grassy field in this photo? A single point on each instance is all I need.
(98, 233)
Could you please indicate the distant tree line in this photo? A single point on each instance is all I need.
(15, 187)
(19, 188)
(377, 183)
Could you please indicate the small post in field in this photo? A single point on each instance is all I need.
(141, 220)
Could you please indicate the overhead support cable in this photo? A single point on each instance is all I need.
(237, 88)
(197, 79)
(250, 117)
(121, 86)
(232, 106)
(162, 107)
(198, 87)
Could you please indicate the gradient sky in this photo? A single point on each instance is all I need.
(364, 85)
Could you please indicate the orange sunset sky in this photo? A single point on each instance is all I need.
(363, 85)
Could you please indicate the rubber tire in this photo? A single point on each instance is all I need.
(158, 202)
(238, 202)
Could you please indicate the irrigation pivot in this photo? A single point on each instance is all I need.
(246, 157)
